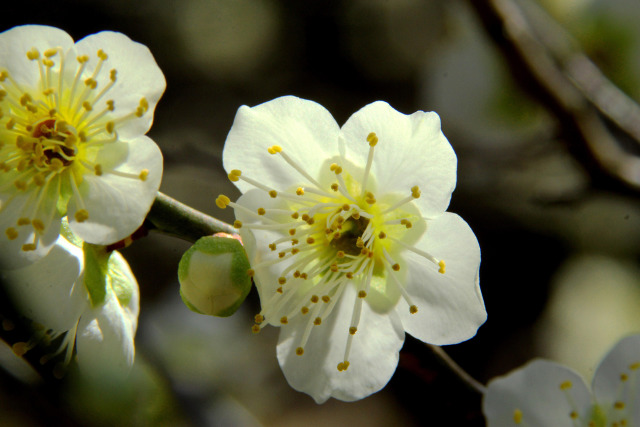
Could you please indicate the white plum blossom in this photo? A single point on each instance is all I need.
(52, 292)
(349, 241)
(544, 393)
(73, 119)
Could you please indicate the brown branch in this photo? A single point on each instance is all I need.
(552, 69)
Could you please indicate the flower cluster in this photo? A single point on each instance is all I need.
(349, 241)
(544, 393)
(72, 125)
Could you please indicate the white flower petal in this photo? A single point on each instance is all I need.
(608, 386)
(534, 394)
(118, 205)
(450, 306)
(373, 358)
(304, 129)
(49, 291)
(16, 42)
(105, 337)
(138, 76)
(411, 150)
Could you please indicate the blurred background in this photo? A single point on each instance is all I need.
(548, 179)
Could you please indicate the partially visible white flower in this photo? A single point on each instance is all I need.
(72, 125)
(52, 292)
(544, 393)
(347, 253)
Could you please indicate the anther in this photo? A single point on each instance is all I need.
(33, 54)
(273, 194)
(304, 310)
(317, 321)
(334, 187)
(251, 272)
(443, 266)
(255, 329)
(282, 280)
(81, 215)
(299, 351)
(272, 246)
(326, 298)
(413, 309)
(144, 173)
(222, 201)
(38, 225)
(274, 149)
(382, 235)
(97, 169)
(314, 299)
(415, 192)
(11, 233)
(362, 294)
(517, 416)
(261, 211)
(396, 267)
(372, 139)
(237, 223)
(284, 320)
(259, 318)
(295, 215)
(353, 330)
(300, 191)
(566, 385)
(311, 240)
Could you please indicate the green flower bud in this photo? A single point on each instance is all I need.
(213, 276)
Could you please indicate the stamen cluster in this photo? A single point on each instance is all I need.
(331, 236)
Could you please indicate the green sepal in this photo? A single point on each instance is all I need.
(119, 281)
(65, 231)
(96, 267)
(238, 277)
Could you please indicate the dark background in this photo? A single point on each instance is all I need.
(559, 239)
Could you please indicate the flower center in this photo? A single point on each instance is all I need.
(333, 232)
(51, 134)
(56, 144)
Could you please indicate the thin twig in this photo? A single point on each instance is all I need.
(456, 369)
(169, 216)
